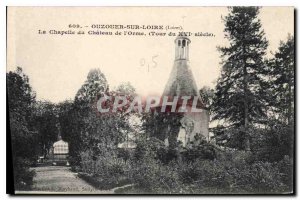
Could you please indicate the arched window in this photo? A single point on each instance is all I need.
(179, 43)
(183, 43)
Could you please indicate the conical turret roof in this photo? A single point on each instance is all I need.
(181, 81)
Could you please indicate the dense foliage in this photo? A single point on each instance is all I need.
(23, 135)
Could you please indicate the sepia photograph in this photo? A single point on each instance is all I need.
(151, 100)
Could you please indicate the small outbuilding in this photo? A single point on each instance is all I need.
(60, 152)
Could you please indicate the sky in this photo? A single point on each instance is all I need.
(58, 65)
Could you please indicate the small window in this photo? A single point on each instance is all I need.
(179, 43)
(183, 43)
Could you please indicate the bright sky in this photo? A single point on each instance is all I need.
(57, 65)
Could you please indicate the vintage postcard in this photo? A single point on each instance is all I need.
(151, 100)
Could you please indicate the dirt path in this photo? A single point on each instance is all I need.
(60, 180)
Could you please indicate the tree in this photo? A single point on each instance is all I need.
(45, 122)
(109, 129)
(85, 106)
(276, 140)
(207, 95)
(238, 100)
(95, 85)
(77, 117)
(90, 130)
(21, 99)
(72, 127)
(282, 80)
(126, 88)
(133, 120)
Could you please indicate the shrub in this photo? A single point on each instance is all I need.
(285, 167)
(149, 148)
(124, 154)
(153, 177)
(203, 151)
(234, 175)
(106, 171)
(203, 174)
(149, 170)
(87, 164)
(273, 144)
(264, 178)
(23, 176)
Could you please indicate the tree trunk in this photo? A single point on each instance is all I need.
(246, 105)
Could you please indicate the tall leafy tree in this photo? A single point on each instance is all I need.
(21, 99)
(238, 100)
(94, 131)
(282, 81)
(277, 140)
(78, 117)
(95, 85)
(109, 129)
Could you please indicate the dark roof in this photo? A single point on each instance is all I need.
(181, 82)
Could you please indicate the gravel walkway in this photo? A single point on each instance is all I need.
(60, 180)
